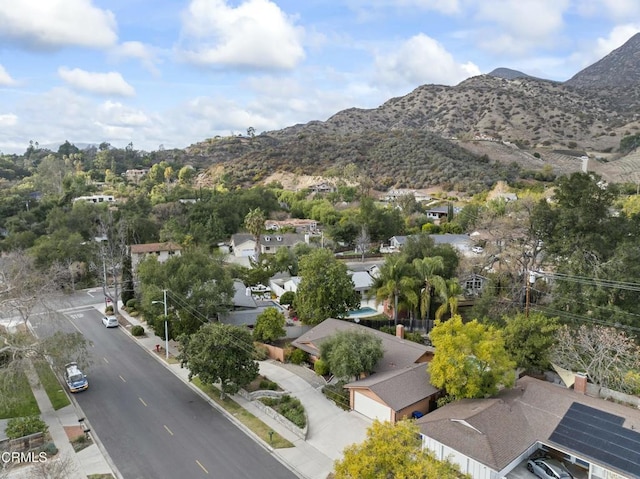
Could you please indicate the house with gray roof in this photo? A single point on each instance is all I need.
(489, 438)
(399, 384)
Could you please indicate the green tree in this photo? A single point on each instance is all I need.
(470, 360)
(393, 282)
(198, 287)
(351, 353)
(220, 353)
(326, 290)
(529, 339)
(392, 451)
(269, 326)
(254, 222)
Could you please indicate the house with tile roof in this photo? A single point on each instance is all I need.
(399, 384)
(489, 438)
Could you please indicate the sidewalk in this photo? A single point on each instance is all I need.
(67, 463)
(330, 428)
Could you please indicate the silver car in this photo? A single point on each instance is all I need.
(548, 469)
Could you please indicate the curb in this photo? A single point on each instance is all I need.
(214, 404)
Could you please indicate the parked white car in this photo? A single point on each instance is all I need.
(477, 249)
(110, 321)
(548, 469)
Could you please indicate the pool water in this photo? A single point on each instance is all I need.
(362, 313)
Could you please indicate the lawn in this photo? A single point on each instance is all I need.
(16, 397)
(52, 386)
(259, 428)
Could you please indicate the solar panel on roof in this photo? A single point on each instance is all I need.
(600, 436)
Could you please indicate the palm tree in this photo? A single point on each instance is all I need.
(254, 222)
(393, 281)
(449, 296)
(427, 270)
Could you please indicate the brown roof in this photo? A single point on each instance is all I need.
(496, 431)
(399, 388)
(154, 247)
(398, 353)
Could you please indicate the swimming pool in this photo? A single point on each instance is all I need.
(362, 313)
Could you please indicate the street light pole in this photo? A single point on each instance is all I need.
(166, 324)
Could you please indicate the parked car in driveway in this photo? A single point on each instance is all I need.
(76, 380)
(548, 468)
(110, 321)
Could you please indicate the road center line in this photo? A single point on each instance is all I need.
(201, 466)
(123, 379)
(143, 402)
(168, 430)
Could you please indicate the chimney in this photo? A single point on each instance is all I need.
(580, 384)
(400, 331)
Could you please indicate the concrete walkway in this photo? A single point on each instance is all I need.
(67, 463)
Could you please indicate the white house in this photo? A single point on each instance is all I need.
(163, 251)
(96, 199)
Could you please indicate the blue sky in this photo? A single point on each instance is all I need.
(175, 72)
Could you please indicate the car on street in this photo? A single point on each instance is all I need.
(76, 380)
(110, 321)
(546, 468)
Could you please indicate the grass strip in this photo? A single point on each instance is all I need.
(259, 428)
(52, 386)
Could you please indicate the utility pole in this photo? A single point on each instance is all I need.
(530, 281)
(166, 323)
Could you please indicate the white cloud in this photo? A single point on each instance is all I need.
(617, 37)
(110, 83)
(616, 9)
(117, 114)
(421, 60)
(53, 24)
(255, 34)
(8, 119)
(522, 25)
(5, 78)
(139, 51)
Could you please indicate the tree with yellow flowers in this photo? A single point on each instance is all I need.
(470, 359)
(392, 451)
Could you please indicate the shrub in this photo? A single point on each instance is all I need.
(261, 352)
(414, 337)
(132, 304)
(137, 330)
(321, 367)
(134, 314)
(23, 426)
(338, 394)
(287, 297)
(268, 385)
(108, 309)
(289, 407)
(50, 448)
(298, 356)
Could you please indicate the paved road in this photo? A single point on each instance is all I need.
(151, 424)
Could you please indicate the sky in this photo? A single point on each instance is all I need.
(170, 73)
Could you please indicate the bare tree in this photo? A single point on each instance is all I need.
(60, 467)
(604, 354)
(363, 240)
(113, 249)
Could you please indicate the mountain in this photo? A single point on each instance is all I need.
(485, 128)
(620, 68)
(508, 74)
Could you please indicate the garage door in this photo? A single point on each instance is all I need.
(370, 408)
